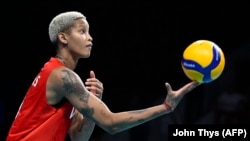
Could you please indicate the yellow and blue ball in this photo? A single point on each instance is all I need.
(203, 61)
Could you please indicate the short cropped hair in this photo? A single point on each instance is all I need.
(62, 22)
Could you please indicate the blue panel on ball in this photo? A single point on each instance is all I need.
(216, 59)
(192, 65)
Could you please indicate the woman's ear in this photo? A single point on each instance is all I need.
(62, 38)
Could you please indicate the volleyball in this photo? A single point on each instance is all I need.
(203, 61)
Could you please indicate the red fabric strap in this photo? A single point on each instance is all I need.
(168, 108)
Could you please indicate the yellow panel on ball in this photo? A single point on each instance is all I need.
(198, 49)
(203, 61)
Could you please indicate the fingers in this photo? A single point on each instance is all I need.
(94, 85)
(188, 87)
(94, 90)
(92, 81)
(92, 74)
(183, 90)
(174, 97)
(169, 89)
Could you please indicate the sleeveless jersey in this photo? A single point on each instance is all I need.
(36, 120)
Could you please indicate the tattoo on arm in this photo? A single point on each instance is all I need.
(72, 86)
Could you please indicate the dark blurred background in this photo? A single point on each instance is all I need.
(137, 48)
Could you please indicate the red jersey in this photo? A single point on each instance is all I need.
(36, 120)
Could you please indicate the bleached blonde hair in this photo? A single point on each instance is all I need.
(62, 22)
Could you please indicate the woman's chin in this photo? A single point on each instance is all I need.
(85, 55)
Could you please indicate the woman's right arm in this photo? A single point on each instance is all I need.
(70, 85)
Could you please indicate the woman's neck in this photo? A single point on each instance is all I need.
(69, 63)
